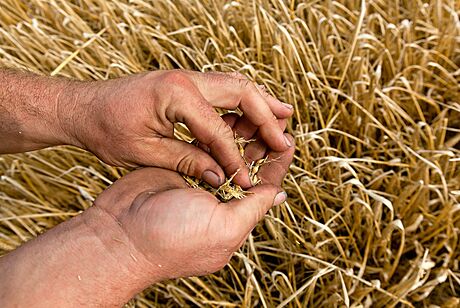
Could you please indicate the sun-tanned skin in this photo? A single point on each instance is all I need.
(148, 226)
(129, 121)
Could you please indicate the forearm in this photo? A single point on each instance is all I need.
(86, 260)
(36, 111)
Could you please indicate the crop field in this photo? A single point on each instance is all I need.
(373, 211)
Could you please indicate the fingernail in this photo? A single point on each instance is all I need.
(288, 142)
(280, 198)
(288, 106)
(211, 178)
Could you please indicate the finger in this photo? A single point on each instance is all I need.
(209, 129)
(185, 158)
(210, 81)
(244, 128)
(231, 119)
(150, 177)
(127, 188)
(278, 164)
(247, 212)
(279, 109)
(255, 150)
(230, 93)
(258, 148)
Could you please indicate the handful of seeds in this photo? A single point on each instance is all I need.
(229, 190)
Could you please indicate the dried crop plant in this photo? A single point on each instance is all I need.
(373, 214)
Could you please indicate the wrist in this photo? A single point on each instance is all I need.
(118, 248)
(122, 270)
(75, 111)
(88, 259)
(33, 110)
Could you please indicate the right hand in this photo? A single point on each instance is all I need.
(129, 121)
(181, 231)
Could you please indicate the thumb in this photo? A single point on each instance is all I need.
(251, 209)
(188, 159)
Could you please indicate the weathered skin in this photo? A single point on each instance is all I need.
(147, 227)
(129, 121)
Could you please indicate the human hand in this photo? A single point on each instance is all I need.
(182, 231)
(129, 121)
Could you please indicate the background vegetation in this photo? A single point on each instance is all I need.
(373, 214)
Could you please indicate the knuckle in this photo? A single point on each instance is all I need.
(222, 129)
(232, 166)
(263, 91)
(177, 78)
(269, 123)
(203, 108)
(186, 164)
(245, 84)
(237, 75)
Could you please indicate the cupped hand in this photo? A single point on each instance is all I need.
(182, 231)
(129, 121)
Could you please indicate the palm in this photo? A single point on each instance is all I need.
(185, 224)
(182, 222)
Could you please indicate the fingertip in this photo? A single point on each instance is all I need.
(289, 139)
(255, 150)
(288, 107)
(289, 152)
(268, 195)
(278, 165)
(281, 143)
(273, 137)
(280, 198)
(285, 142)
(212, 178)
(255, 205)
(230, 119)
(284, 111)
(280, 110)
